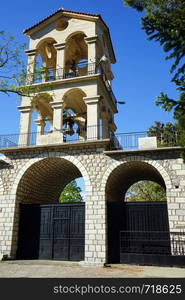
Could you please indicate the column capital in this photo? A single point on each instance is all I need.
(91, 100)
(91, 39)
(60, 46)
(24, 109)
(57, 104)
(31, 52)
(39, 122)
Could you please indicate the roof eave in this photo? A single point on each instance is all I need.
(31, 29)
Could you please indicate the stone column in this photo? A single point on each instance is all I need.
(92, 54)
(31, 65)
(93, 119)
(60, 62)
(95, 229)
(57, 120)
(40, 129)
(25, 120)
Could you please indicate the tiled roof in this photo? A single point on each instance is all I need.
(59, 11)
(62, 10)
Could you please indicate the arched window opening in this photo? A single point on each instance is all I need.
(74, 116)
(46, 60)
(74, 127)
(76, 56)
(42, 114)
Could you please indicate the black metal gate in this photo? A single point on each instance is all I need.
(55, 231)
(132, 231)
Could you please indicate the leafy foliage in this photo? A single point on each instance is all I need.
(71, 193)
(12, 67)
(164, 22)
(146, 191)
(167, 134)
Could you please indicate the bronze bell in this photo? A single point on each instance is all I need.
(69, 129)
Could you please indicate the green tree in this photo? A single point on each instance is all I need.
(164, 22)
(146, 191)
(71, 193)
(12, 66)
(167, 134)
(13, 69)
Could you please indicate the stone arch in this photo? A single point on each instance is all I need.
(76, 52)
(38, 191)
(73, 34)
(41, 103)
(162, 178)
(73, 99)
(45, 48)
(33, 161)
(48, 40)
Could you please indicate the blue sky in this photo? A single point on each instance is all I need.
(141, 71)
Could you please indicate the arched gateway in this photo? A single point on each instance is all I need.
(75, 137)
(136, 230)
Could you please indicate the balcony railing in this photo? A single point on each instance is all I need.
(49, 74)
(132, 140)
(121, 141)
(91, 133)
(83, 69)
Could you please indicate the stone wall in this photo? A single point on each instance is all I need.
(38, 176)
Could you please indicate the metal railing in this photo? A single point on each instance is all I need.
(90, 133)
(129, 141)
(49, 74)
(152, 242)
(120, 141)
(83, 69)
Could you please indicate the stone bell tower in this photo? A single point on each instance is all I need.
(69, 73)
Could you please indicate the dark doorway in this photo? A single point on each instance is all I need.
(55, 231)
(133, 229)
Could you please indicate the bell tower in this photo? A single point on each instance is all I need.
(69, 75)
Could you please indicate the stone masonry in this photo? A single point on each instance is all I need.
(37, 175)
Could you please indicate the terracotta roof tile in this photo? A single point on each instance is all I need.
(59, 11)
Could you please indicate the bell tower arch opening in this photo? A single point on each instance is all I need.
(76, 55)
(46, 59)
(75, 115)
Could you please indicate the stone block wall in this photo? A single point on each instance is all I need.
(38, 176)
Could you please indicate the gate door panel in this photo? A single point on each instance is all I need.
(52, 232)
(61, 232)
(45, 247)
(137, 229)
(77, 234)
(29, 232)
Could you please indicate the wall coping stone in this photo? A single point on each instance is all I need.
(76, 145)
(163, 149)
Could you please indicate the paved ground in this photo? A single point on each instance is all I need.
(58, 269)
